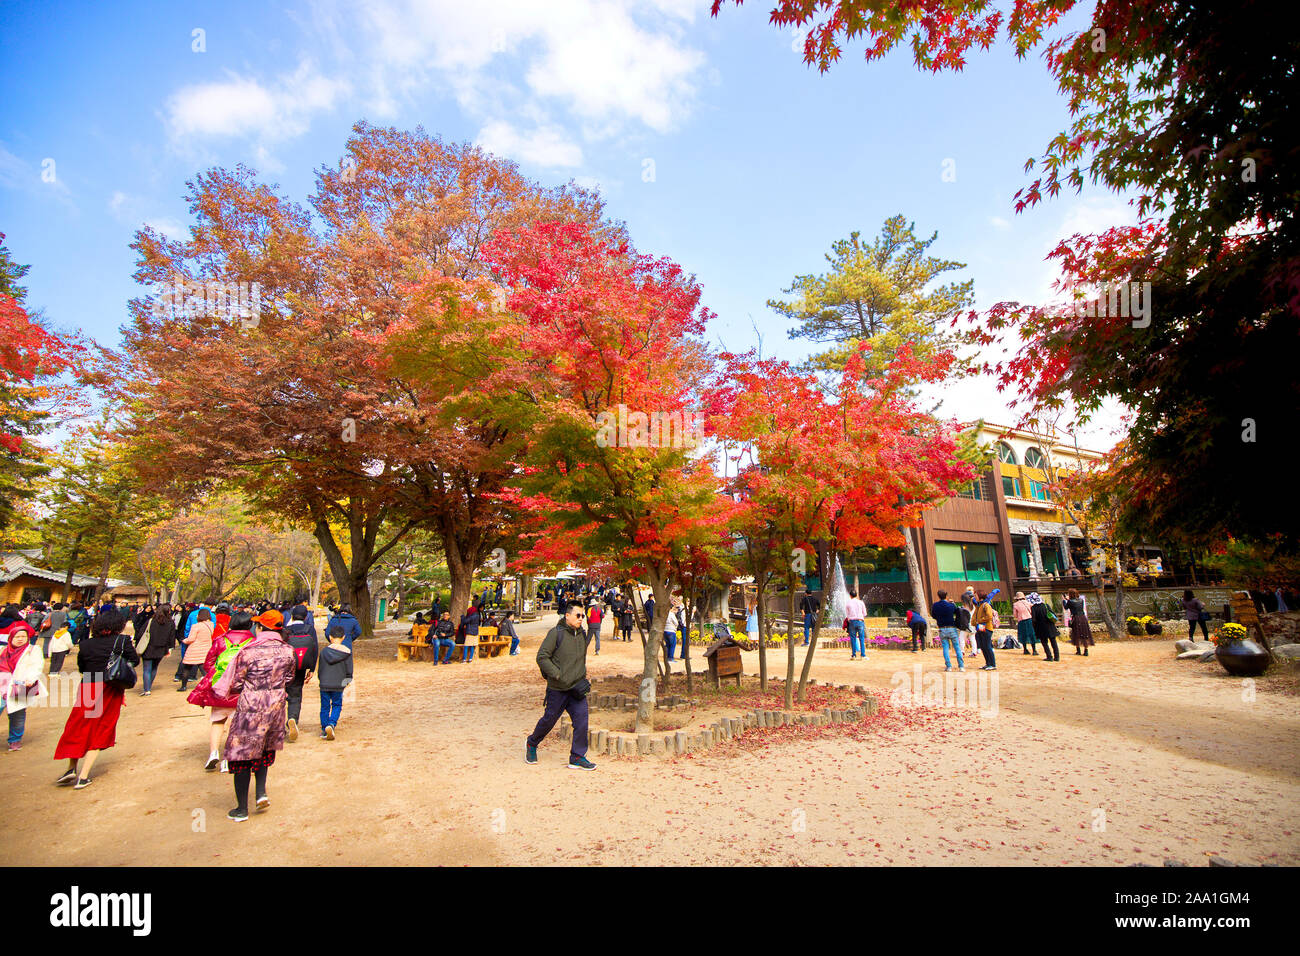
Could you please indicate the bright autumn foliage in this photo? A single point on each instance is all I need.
(602, 326)
(1188, 107)
(300, 408)
(31, 359)
(854, 468)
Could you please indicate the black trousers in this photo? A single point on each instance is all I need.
(919, 632)
(558, 701)
(985, 641)
(1050, 648)
(294, 691)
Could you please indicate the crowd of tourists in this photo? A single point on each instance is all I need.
(249, 664)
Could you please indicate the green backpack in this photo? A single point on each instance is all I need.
(224, 659)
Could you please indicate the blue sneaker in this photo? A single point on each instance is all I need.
(530, 756)
(581, 763)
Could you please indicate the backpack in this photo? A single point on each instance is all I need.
(225, 657)
(963, 618)
(299, 657)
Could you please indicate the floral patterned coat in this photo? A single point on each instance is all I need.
(202, 694)
(258, 675)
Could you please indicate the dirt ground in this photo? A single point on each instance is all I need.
(1125, 756)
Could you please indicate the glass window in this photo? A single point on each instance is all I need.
(966, 562)
(1034, 458)
(1005, 454)
(979, 489)
(981, 562)
(949, 559)
(1010, 486)
(1038, 491)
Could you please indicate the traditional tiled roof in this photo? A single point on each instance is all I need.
(16, 564)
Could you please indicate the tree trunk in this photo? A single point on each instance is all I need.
(315, 588)
(789, 639)
(72, 564)
(108, 547)
(914, 572)
(645, 708)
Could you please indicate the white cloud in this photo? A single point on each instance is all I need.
(128, 210)
(544, 146)
(609, 62)
(538, 78)
(999, 222)
(248, 108)
(168, 227)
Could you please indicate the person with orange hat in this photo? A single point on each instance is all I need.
(239, 631)
(257, 676)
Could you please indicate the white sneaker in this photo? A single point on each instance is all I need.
(225, 767)
(213, 760)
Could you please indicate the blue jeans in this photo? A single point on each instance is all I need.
(447, 644)
(670, 638)
(148, 670)
(858, 638)
(331, 705)
(558, 701)
(17, 724)
(467, 654)
(514, 645)
(809, 619)
(949, 635)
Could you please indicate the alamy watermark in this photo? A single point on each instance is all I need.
(232, 301)
(1122, 300)
(976, 690)
(622, 428)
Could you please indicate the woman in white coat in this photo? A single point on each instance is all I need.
(21, 664)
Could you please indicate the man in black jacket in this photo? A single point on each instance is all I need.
(443, 638)
(563, 661)
(302, 641)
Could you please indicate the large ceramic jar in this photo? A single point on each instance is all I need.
(1242, 658)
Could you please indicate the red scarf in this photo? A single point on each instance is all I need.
(9, 656)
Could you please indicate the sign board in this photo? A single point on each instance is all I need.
(729, 661)
(725, 662)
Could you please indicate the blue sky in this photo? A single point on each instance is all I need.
(759, 163)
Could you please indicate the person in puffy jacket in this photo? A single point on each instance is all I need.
(302, 641)
(344, 619)
(443, 638)
(335, 674)
(205, 694)
(562, 659)
(257, 677)
(197, 641)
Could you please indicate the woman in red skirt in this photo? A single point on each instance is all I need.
(92, 725)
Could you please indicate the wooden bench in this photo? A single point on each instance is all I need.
(488, 645)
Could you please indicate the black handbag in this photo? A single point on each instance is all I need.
(119, 673)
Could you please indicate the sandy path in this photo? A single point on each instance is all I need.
(429, 769)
